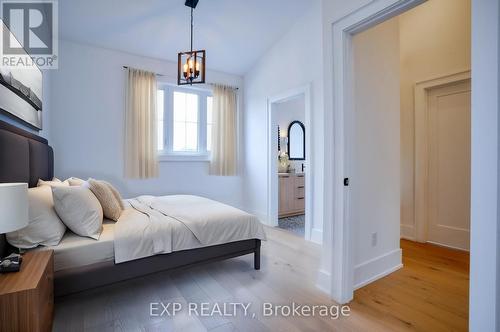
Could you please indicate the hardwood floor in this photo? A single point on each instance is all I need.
(428, 294)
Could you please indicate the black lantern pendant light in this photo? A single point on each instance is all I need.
(191, 64)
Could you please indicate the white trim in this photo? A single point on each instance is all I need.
(377, 268)
(342, 265)
(317, 235)
(447, 246)
(272, 167)
(422, 147)
(324, 278)
(407, 232)
(195, 157)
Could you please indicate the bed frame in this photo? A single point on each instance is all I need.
(26, 157)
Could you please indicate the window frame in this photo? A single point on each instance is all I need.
(168, 153)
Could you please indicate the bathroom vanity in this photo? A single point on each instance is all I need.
(291, 194)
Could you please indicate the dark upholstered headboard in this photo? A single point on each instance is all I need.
(24, 157)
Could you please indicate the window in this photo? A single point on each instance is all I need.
(184, 123)
(160, 107)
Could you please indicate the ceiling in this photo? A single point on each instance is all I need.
(235, 33)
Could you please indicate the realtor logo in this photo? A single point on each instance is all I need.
(29, 34)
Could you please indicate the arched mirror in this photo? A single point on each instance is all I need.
(296, 141)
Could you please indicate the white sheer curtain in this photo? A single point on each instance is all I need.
(224, 140)
(141, 128)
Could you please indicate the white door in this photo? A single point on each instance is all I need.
(449, 165)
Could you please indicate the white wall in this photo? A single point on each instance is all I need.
(87, 125)
(285, 113)
(485, 245)
(375, 152)
(290, 110)
(434, 42)
(294, 61)
(47, 103)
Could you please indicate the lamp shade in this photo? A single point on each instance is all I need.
(13, 206)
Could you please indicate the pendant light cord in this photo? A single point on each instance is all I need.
(192, 30)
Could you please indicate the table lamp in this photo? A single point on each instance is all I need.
(13, 211)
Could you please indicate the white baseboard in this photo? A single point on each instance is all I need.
(407, 232)
(265, 220)
(317, 235)
(377, 268)
(448, 246)
(324, 282)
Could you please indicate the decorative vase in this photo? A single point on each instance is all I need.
(283, 162)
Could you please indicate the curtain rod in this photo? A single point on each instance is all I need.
(212, 84)
(224, 85)
(127, 67)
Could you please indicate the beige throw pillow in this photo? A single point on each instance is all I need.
(79, 210)
(116, 193)
(44, 228)
(111, 206)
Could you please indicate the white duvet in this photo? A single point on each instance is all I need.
(159, 225)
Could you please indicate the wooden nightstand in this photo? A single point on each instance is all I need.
(27, 296)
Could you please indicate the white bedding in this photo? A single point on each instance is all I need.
(159, 225)
(77, 251)
(145, 231)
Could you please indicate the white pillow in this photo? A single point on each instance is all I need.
(75, 181)
(44, 228)
(79, 209)
(54, 183)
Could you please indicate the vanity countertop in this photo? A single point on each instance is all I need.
(290, 174)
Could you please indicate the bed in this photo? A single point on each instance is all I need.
(84, 263)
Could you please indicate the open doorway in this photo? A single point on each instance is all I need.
(385, 57)
(290, 117)
(408, 138)
(289, 163)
